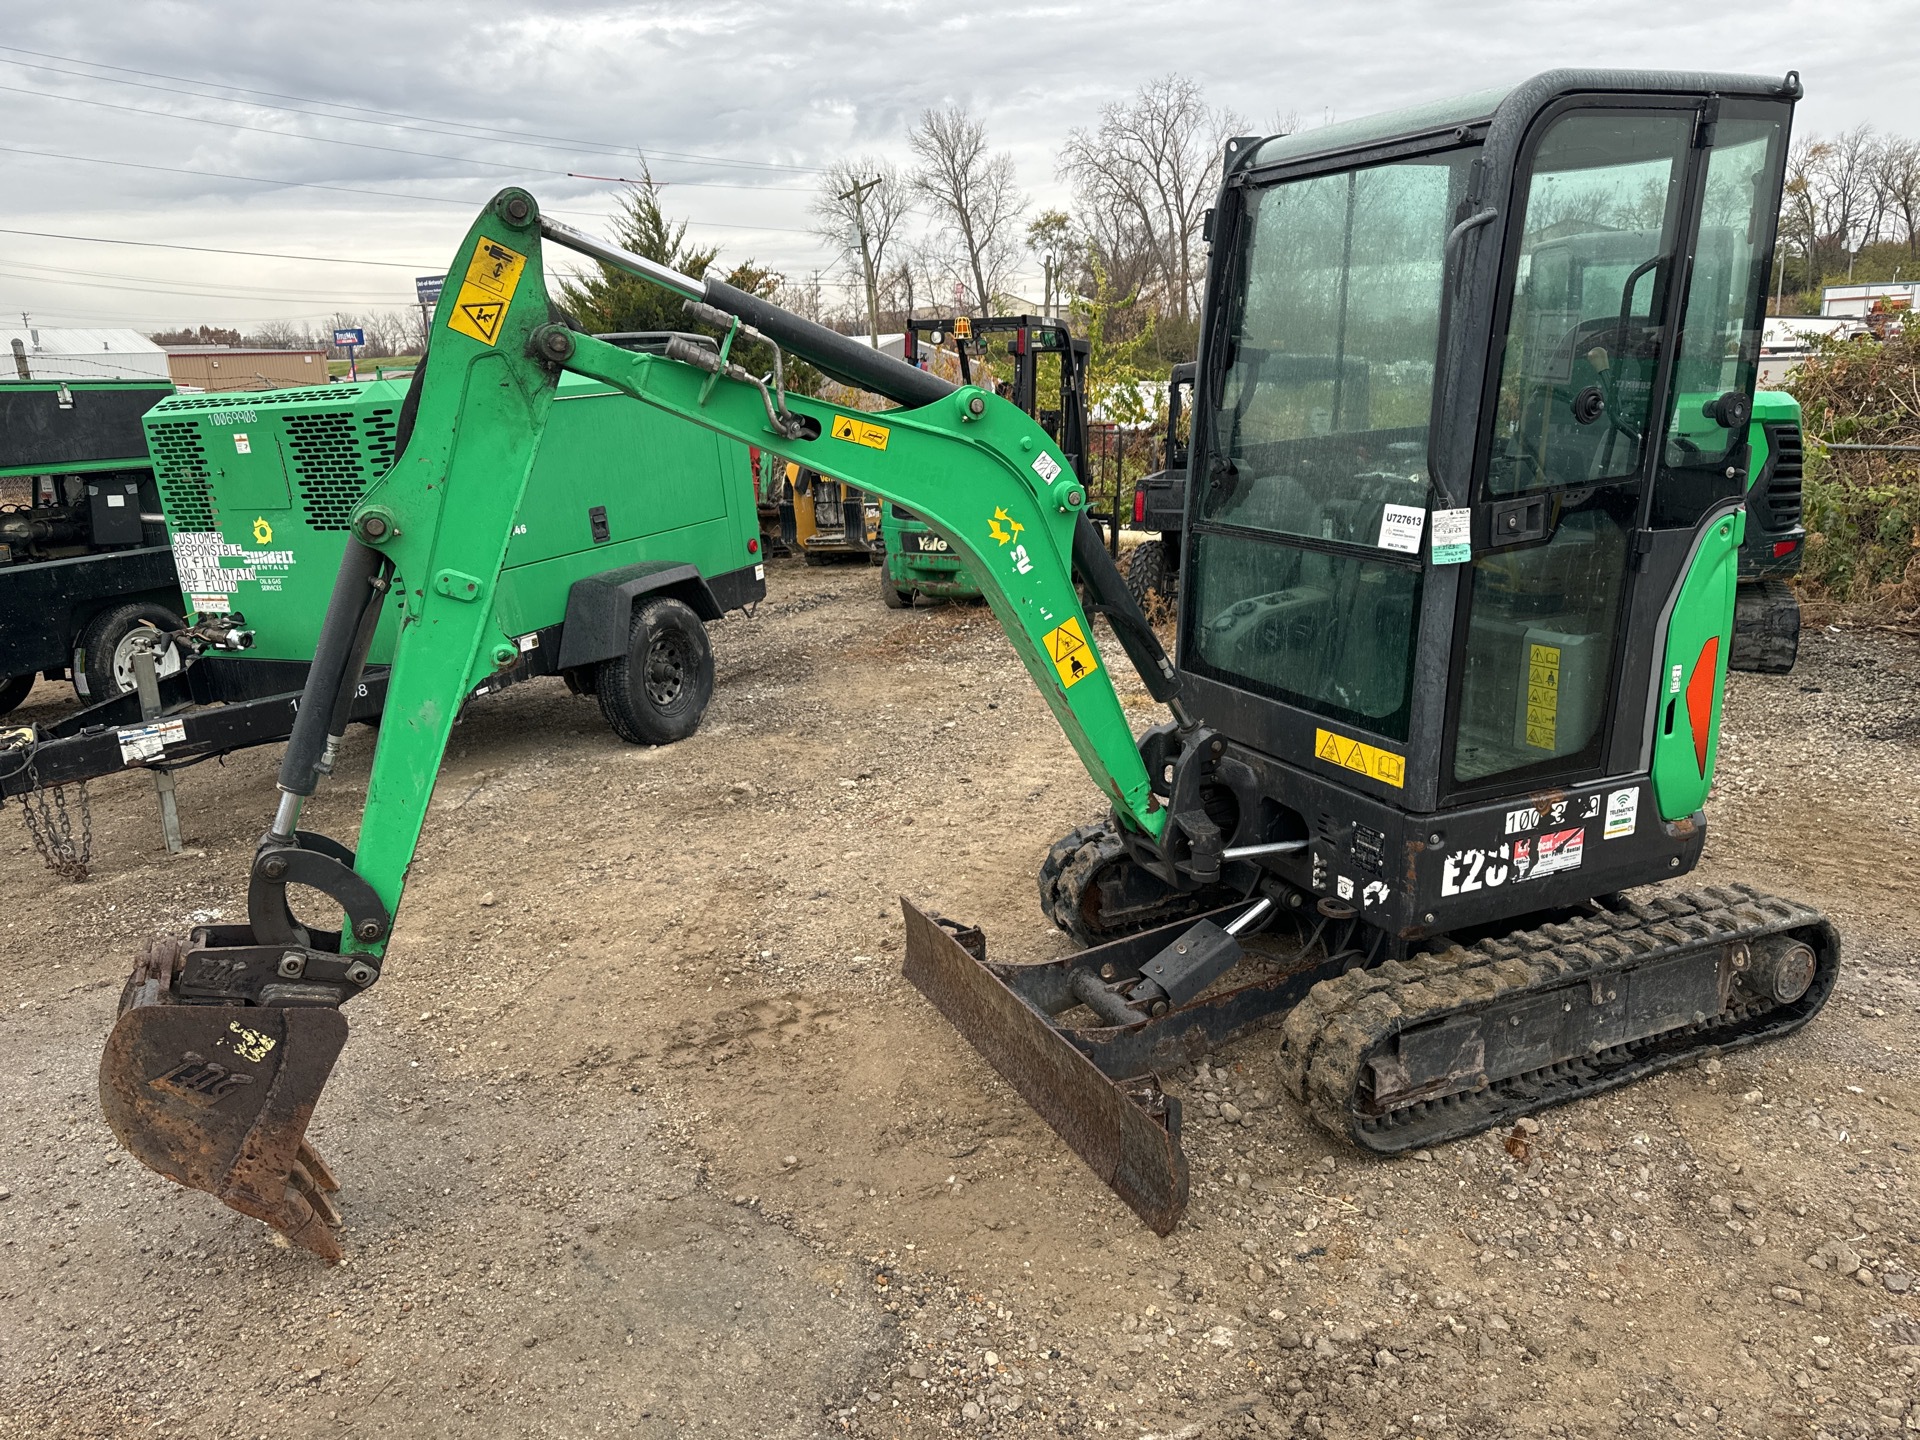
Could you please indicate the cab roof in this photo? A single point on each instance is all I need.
(1439, 117)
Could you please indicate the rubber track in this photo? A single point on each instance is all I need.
(1327, 1039)
(1072, 869)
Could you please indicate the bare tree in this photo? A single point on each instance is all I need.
(1896, 189)
(860, 210)
(282, 335)
(973, 193)
(1153, 160)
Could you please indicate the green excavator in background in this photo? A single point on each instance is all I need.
(1460, 571)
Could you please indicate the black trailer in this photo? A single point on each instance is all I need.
(86, 574)
(1160, 501)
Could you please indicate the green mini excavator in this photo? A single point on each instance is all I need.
(1459, 570)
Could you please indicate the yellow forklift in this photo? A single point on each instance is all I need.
(824, 520)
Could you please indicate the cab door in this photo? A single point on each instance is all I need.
(1594, 448)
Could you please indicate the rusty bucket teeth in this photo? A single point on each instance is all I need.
(1128, 1133)
(218, 1097)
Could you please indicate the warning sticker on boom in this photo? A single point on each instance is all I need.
(492, 276)
(1072, 656)
(1361, 758)
(860, 432)
(1543, 695)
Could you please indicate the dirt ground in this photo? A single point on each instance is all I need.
(643, 1133)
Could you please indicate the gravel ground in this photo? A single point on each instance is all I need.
(642, 1133)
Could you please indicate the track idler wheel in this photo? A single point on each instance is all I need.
(217, 1097)
(1094, 890)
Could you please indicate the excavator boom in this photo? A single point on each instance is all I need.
(201, 1080)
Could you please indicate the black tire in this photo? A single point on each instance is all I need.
(14, 689)
(1147, 572)
(1766, 628)
(102, 663)
(658, 691)
(891, 595)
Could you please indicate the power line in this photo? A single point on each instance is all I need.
(212, 250)
(346, 189)
(184, 294)
(485, 130)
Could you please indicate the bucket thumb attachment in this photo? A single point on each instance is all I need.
(1127, 1131)
(217, 1097)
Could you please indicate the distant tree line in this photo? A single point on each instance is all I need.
(1851, 210)
(389, 333)
(954, 229)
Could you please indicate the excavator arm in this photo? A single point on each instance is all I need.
(225, 1038)
(982, 472)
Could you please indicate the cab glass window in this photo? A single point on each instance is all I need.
(1707, 424)
(1321, 415)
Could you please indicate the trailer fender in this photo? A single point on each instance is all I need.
(600, 607)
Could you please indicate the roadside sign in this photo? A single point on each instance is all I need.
(427, 288)
(344, 338)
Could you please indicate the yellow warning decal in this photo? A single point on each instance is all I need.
(860, 432)
(1543, 695)
(249, 1044)
(1072, 656)
(1361, 758)
(492, 276)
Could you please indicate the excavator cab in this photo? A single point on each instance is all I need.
(1459, 549)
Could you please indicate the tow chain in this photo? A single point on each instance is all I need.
(50, 824)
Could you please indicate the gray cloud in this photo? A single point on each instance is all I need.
(764, 84)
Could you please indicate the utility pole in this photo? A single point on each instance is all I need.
(857, 194)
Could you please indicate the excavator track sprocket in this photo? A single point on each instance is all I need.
(1094, 890)
(1412, 1053)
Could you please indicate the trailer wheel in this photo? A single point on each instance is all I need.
(14, 689)
(656, 693)
(1147, 571)
(891, 595)
(103, 660)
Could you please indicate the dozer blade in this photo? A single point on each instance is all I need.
(217, 1097)
(1127, 1131)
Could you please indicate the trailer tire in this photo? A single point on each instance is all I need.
(103, 660)
(14, 689)
(891, 595)
(1147, 571)
(658, 691)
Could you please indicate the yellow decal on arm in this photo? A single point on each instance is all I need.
(492, 276)
(1072, 656)
(860, 432)
(1361, 758)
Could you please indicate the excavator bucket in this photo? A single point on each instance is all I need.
(217, 1097)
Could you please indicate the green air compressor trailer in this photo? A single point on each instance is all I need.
(637, 528)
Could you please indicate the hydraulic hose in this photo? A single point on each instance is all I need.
(1111, 598)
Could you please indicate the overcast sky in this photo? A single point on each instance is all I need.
(736, 105)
